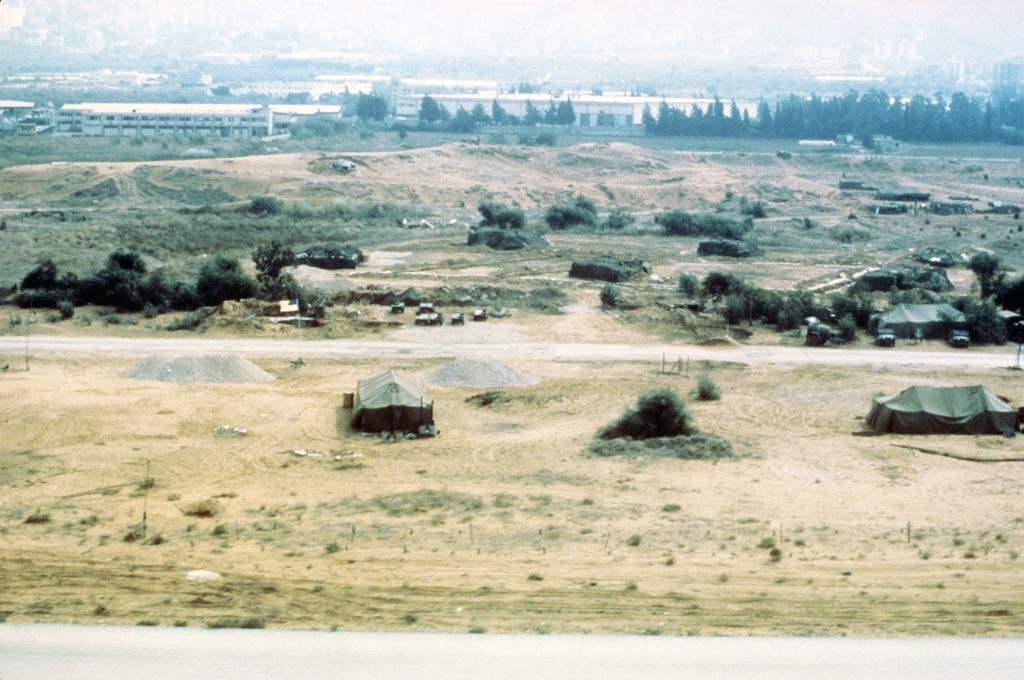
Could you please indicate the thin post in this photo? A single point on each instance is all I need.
(145, 499)
(663, 362)
(28, 331)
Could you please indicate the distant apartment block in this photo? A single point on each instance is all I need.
(238, 121)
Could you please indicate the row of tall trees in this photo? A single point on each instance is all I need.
(432, 113)
(868, 115)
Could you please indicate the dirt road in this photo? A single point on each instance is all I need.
(926, 356)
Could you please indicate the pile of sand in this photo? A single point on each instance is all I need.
(211, 368)
(323, 279)
(479, 373)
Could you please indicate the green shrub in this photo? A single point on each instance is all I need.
(581, 212)
(707, 390)
(501, 216)
(846, 328)
(190, 321)
(619, 219)
(264, 205)
(983, 322)
(796, 306)
(847, 233)
(718, 284)
(222, 278)
(689, 285)
(66, 309)
(657, 414)
(545, 139)
(682, 223)
(609, 296)
(756, 209)
(736, 309)
(857, 305)
(633, 541)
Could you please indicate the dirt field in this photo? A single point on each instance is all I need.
(503, 523)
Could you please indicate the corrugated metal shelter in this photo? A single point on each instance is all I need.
(392, 402)
(942, 410)
(933, 321)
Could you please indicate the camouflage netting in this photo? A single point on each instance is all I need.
(330, 256)
(905, 278)
(726, 248)
(608, 268)
(506, 239)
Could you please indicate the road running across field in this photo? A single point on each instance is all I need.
(924, 357)
(44, 652)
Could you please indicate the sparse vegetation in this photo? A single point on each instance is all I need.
(581, 212)
(709, 225)
(251, 622)
(657, 414)
(707, 390)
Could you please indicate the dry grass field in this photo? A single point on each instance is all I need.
(504, 522)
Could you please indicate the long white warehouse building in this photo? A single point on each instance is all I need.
(158, 120)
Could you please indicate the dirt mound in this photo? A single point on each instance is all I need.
(323, 279)
(479, 373)
(210, 368)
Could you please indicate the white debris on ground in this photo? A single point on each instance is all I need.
(202, 575)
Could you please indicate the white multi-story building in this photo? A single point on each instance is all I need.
(157, 120)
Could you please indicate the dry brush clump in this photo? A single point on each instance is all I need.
(660, 425)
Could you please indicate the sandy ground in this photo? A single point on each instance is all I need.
(503, 523)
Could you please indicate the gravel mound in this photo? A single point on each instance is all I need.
(479, 373)
(213, 368)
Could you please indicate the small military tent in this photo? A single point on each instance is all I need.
(942, 410)
(933, 321)
(392, 402)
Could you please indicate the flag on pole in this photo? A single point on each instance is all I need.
(289, 306)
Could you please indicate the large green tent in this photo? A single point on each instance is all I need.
(933, 321)
(392, 402)
(942, 410)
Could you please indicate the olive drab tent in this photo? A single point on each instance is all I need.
(942, 410)
(392, 402)
(920, 321)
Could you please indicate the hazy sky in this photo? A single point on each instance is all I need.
(938, 28)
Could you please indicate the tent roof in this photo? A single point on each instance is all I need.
(391, 389)
(921, 314)
(949, 402)
(942, 410)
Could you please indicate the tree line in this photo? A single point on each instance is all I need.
(432, 113)
(868, 115)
